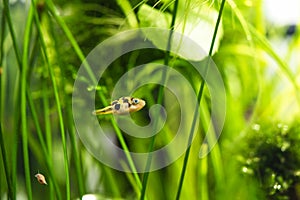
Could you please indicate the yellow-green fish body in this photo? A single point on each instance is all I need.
(123, 105)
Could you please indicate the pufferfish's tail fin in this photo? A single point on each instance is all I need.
(103, 111)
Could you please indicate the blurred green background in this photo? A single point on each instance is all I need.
(43, 44)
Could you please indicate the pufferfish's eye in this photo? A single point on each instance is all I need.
(135, 101)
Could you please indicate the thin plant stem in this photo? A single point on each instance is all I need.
(62, 130)
(47, 128)
(47, 150)
(203, 179)
(31, 106)
(36, 122)
(12, 32)
(15, 133)
(129, 13)
(72, 40)
(126, 150)
(75, 150)
(73, 142)
(16, 94)
(16, 116)
(211, 138)
(58, 106)
(159, 99)
(23, 102)
(10, 189)
(6, 167)
(199, 96)
(78, 51)
(2, 33)
(43, 145)
(282, 65)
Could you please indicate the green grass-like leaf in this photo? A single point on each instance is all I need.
(41, 49)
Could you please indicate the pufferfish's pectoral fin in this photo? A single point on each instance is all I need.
(103, 111)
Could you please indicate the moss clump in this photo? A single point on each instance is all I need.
(272, 156)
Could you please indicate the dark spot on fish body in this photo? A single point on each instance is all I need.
(114, 102)
(117, 106)
(125, 100)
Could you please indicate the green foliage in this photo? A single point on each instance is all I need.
(272, 157)
(42, 46)
(198, 25)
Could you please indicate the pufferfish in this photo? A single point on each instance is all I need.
(123, 105)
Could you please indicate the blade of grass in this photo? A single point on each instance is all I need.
(58, 104)
(16, 102)
(27, 35)
(10, 190)
(16, 116)
(47, 150)
(75, 150)
(31, 106)
(282, 65)
(52, 9)
(126, 150)
(2, 33)
(71, 131)
(250, 33)
(46, 109)
(45, 52)
(46, 153)
(203, 169)
(111, 181)
(211, 138)
(10, 193)
(129, 13)
(62, 126)
(12, 32)
(79, 53)
(199, 96)
(159, 99)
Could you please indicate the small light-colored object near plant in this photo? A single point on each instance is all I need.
(41, 178)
